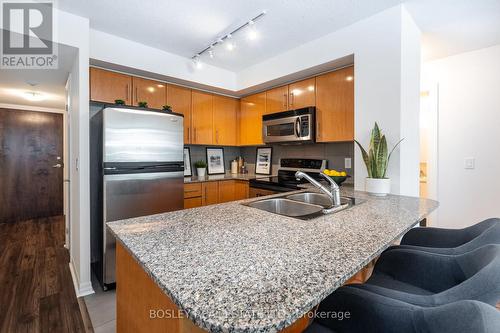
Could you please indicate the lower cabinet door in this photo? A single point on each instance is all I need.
(226, 191)
(241, 190)
(210, 193)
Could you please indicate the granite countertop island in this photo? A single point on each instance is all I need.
(233, 268)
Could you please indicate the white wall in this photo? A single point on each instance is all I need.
(116, 50)
(469, 126)
(73, 30)
(386, 50)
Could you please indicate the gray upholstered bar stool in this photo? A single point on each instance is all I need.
(452, 241)
(371, 312)
(431, 279)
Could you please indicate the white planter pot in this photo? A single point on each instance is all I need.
(378, 186)
(201, 172)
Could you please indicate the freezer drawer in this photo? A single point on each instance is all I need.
(133, 195)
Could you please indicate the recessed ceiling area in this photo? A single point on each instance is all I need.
(17, 84)
(187, 27)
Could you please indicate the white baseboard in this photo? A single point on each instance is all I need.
(81, 289)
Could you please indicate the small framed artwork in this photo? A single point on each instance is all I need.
(215, 161)
(187, 162)
(264, 161)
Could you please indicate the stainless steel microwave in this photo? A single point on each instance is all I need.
(289, 126)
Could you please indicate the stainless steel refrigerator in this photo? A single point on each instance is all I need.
(137, 169)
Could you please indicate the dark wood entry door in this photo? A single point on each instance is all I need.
(31, 165)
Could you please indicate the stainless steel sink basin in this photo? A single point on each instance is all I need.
(287, 207)
(317, 199)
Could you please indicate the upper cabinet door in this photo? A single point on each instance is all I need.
(179, 98)
(335, 106)
(277, 100)
(252, 109)
(302, 94)
(152, 92)
(106, 86)
(225, 120)
(202, 117)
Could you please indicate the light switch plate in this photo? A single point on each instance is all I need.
(469, 163)
(347, 163)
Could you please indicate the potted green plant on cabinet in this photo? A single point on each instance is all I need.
(376, 160)
(201, 168)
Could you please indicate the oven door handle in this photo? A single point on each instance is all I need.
(298, 124)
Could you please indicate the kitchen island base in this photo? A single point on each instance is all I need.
(141, 306)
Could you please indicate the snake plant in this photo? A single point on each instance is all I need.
(377, 158)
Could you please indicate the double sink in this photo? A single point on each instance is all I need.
(302, 205)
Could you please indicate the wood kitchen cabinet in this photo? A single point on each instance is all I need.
(192, 195)
(150, 91)
(213, 192)
(252, 109)
(179, 98)
(202, 117)
(231, 190)
(107, 86)
(335, 106)
(296, 95)
(302, 94)
(210, 194)
(225, 118)
(277, 100)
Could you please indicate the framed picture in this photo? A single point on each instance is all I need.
(215, 161)
(187, 162)
(264, 161)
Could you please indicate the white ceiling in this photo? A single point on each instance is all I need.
(455, 26)
(186, 27)
(14, 83)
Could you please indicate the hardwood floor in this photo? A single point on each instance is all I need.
(36, 289)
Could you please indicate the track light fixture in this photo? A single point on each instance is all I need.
(227, 40)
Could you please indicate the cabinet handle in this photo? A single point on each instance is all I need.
(284, 101)
(292, 98)
(136, 95)
(126, 92)
(189, 134)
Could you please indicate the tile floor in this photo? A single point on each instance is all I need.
(101, 307)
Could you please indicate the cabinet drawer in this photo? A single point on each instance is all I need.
(192, 202)
(192, 190)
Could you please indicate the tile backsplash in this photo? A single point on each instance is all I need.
(334, 153)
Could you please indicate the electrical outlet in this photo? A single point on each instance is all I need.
(469, 163)
(347, 163)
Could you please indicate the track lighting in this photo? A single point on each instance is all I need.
(252, 34)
